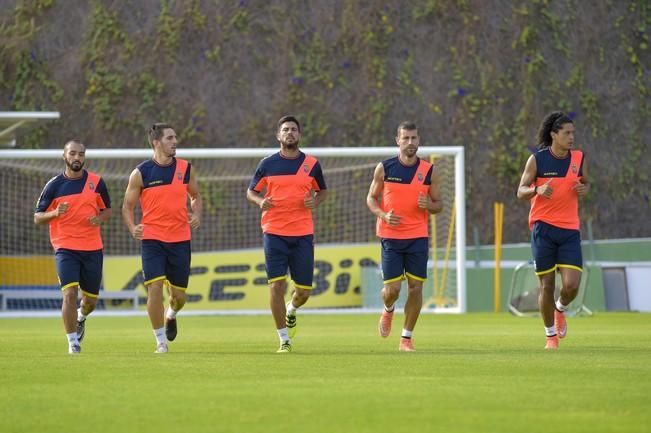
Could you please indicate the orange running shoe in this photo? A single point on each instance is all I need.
(560, 323)
(552, 342)
(406, 345)
(385, 323)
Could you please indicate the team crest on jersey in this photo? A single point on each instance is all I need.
(306, 168)
(91, 186)
(574, 168)
(179, 175)
(420, 177)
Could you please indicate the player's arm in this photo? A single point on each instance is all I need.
(104, 201)
(131, 197)
(374, 197)
(318, 193)
(46, 217)
(43, 216)
(196, 204)
(582, 186)
(432, 201)
(525, 190)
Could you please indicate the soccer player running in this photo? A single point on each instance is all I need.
(75, 204)
(162, 185)
(553, 179)
(404, 191)
(287, 186)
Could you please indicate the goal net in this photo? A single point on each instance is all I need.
(228, 270)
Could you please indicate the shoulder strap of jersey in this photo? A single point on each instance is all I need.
(421, 172)
(575, 163)
(179, 172)
(306, 168)
(92, 181)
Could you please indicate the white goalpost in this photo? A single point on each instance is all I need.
(227, 264)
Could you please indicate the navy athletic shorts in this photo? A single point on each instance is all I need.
(295, 253)
(82, 268)
(166, 261)
(554, 247)
(402, 257)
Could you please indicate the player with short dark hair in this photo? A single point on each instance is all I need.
(404, 191)
(163, 185)
(288, 186)
(75, 204)
(553, 180)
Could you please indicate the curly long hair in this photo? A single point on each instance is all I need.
(553, 122)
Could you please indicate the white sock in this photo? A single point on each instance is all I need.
(291, 310)
(560, 307)
(406, 334)
(390, 309)
(550, 331)
(72, 339)
(283, 335)
(80, 316)
(160, 335)
(171, 314)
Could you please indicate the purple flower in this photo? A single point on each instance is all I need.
(527, 59)
(572, 115)
(346, 65)
(32, 54)
(242, 3)
(461, 91)
(297, 81)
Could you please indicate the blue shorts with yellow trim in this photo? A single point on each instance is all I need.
(404, 257)
(83, 268)
(166, 261)
(554, 247)
(295, 253)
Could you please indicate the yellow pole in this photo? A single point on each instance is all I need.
(433, 248)
(498, 210)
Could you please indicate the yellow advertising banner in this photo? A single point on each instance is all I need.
(236, 280)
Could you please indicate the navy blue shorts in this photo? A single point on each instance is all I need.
(402, 257)
(166, 261)
(80, 268)
(554, 247)
(295, 253)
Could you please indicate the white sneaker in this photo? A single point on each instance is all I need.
(161, 348)
(74, 349)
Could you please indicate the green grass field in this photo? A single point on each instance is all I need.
(472, 373)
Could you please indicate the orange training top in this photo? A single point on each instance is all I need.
(85, 196)
(164, 200)
(288, 181)
(402, 186)
(562, 209)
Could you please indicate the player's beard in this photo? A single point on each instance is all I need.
(290, 145)
(75, 165)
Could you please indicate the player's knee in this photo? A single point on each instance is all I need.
(415, 290)
(88, 304)
(391, 292)
(177, 299)
(547, 289)
(302, 295)
(70, 296)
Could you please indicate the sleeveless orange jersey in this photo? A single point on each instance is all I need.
(288, 182)
(402, 186)
(85, 196)
(164, 200)
(562, 209)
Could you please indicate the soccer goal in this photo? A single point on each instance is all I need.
(228, 271)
